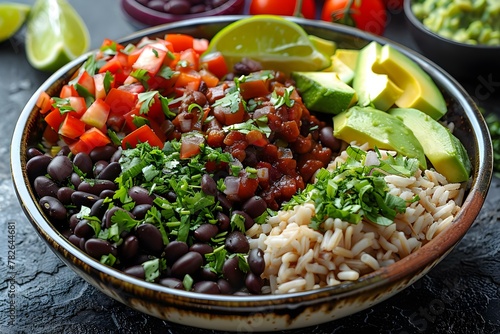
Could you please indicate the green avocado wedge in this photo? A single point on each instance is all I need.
(445, 151)
(378, 129)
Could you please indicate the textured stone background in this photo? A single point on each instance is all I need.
(460, 295)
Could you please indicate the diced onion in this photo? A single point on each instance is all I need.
(232, 184)
(371, 159)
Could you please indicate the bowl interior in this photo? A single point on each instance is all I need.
(470, 129)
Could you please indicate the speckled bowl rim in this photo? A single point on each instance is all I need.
(410, 15)
(429, 255)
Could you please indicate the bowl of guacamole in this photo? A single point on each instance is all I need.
(462, 36)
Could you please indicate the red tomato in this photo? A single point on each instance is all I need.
(141, 135)
(367, 15)
(283, 7)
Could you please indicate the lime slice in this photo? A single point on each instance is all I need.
(55, 35)
(273, 41)
(12, 17)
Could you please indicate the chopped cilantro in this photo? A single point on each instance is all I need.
(231, 101)
(281, 100)
(63, 105)
(146, 99)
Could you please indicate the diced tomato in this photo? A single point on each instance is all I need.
(100, 90)
(215, 63)
(189, 59)
(54, 119)
(78, 104)
(121, 101)
(247, 187)
(189, 79)
(208, 78)
(256, 138)
(94, 137)
(67, 91)
(109, 42)
(79, 146)
(200, 45)
(254, 88)
(141, 135)
(226, 117)
(180, 42)
(71, 127)
(150, 59)
(129, 119)
(190, 146)
(50, 135)
(85, 80)
(44, 102)
(116, 64)
(97, 114)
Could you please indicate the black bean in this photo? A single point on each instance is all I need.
(202, 248)
(37, 166)
(156, 5)
(255, 206)
(223, 221)
(60, 168)
(208, 185)
(64, 195)
(140, 195)
(224, 287)
(171, 196)
(99, 167)
(188, 264)
(177, 7)
(174, 250)
(117, 155)
(102, 153)
(130, 247)
(64, 151)
(98, 247)
(98, 209)
(75, 180)
(256, 261)
(107, 220)
(205, 232)
(206, 287)
(33, 152)
(73, 221)
(139, 211)
(96, 186)
(81, 198)
(249, 222)
(84, 163)
(136, 270)
(110, 172)
(328, 139)
(107, 193)
(53, 208)
(254, 283)
(232, 272)
(83, 229)
(224, 202)
(77, 241)
(150, 238)
(237, 242)
(171, 282)
(45, 187)
(199, 98)
(205, 274)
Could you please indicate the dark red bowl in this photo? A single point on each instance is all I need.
(143, 16)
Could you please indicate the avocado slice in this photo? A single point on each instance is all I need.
(442, 148)
(324, 91)
(419, 90)
(373, 88)
(344, 64)
(378, 129)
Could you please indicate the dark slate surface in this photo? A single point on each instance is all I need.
(460, 295)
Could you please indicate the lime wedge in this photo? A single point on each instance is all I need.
(12, 17)
(271, 40)
(55, 35)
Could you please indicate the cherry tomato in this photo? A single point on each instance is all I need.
(282, 7)
(367, 15)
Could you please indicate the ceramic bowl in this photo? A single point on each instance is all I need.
(458, 59)
(266, 312)
(144, 16)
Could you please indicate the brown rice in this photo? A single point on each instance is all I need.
(299, 258)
